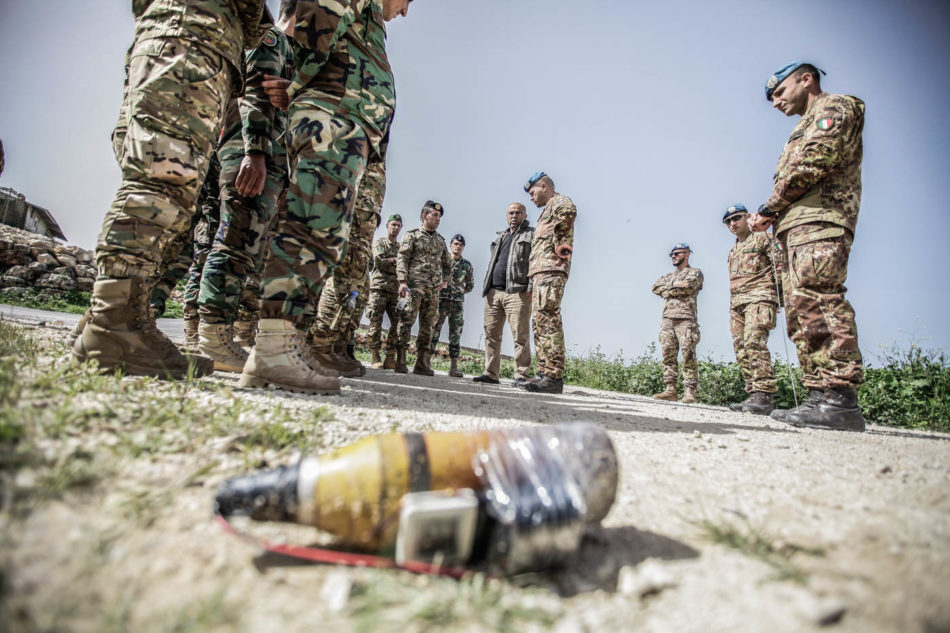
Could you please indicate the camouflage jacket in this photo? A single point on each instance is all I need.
(342, 63)
(423, 260)
(252, 118)
(461, 281)
(383, 277)
(818, 178)
(225, 26)
(555, 228)
(751, 276)
(679, 289)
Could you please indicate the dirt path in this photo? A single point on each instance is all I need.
(848, 532)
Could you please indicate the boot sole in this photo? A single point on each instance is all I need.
(255, 382)
(228, 367)
(108, 366)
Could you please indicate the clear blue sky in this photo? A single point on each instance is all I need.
(651, 116)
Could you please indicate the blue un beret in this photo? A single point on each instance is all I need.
(781, 75)
(682, 246)
(734, 209)
(538, 175)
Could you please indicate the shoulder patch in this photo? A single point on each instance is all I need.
(825, 124)
(270, 39)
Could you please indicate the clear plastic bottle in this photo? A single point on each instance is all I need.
(404, 300)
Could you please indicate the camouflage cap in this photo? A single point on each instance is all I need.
(431, 204)
(538, 175)
(782, 74)
(458, 237)
(734, 209)
(681, 246)
(396, 217)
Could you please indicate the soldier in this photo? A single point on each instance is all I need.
(331, 330)
(507, 292)
(679, 328)
(184, 64)
(548, 269)
(423, 267)
(384, 293)
(253, 175)
(452, 303)
(752, 309)
(342, 101)
(814, 209)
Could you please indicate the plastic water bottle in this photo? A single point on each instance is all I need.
(403, 302)
(351, 300)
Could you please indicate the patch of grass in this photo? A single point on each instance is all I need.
(70, 301)
(753, 542)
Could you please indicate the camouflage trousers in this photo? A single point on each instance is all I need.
(177, 93)
(453, 311)
(327, 158)
(240, 241)
(424, 303)
(335, 315)
(677, 334)
(750, 324)
(249, 304)
(209, 212)
(173, 271)
(382, 303)
(546, 322)
(820, 320)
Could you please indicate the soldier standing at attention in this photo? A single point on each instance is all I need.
(548, 269)
(423, 267)
(342, 101)
(452, 303)
(384, 293)
(752, 309)
(679, 328)
(814, 209)
(183, 66)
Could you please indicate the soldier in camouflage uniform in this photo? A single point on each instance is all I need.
(548, 269)
(253, 174)
(209, 203)
(342, 101)
(752, 309)
(331, 330)
(452, 303)
(184, 64)
(679, 328)
(814, 209)
(384, 294)
(423, 267)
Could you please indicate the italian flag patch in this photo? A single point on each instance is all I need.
(825, 124)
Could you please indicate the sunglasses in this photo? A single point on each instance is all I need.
(733, 218)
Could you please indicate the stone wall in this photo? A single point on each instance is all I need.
(28, 260)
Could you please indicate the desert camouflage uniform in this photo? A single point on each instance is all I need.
(423, 263)
(452, 305)
(252, 126)
(183, 65)
(752, 309)
(679, 328)
(342, 102)
(334, 315)
(549, 274)
(383, 293)
(817, 196)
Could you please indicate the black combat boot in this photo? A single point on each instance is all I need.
(759, 403)
(485, 378)
(814, 397)
(837, 410)
(545, 384)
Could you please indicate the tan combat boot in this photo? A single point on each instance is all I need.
(217, 342)
(422, 364)
(376, 361)
(120, 334)
(454, 369)
(244, 332)
(80, 326)
(325, 355)
(390, 362)
(668, 394)
(191, 332)
(400, 367)
(348, 357)
(280, 358)
(689, 395)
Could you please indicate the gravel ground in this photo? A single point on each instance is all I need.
(853, 530)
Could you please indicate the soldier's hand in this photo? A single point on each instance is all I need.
(563, 251)
(403, 289)
(441, 287)
(276, 89)
(760, 223)
(252, 175)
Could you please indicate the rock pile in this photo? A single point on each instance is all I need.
(28, 260)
